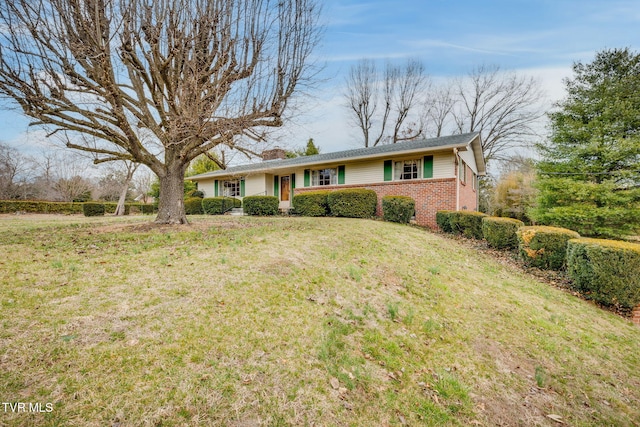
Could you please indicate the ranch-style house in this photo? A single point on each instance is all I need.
(438, 173)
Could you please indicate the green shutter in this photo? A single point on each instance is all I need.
(428, 167)
(242, 187)
(215, 191)
(388, 170)
(341, 174)
(276, 186)
(293, 181)
(307, 178)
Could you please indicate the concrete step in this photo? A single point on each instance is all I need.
(236, 212)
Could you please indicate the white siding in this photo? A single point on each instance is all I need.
(469, 159)
(254, 184)
(444, 166)
(364, 172)
(207, 187)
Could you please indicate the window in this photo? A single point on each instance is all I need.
(407, 169)
(231, 188)
(324, 177)
(462, 171)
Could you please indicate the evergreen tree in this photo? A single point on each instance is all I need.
(589, 180)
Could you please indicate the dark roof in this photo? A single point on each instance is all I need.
(425, 144)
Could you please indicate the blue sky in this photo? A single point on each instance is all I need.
(541, 38)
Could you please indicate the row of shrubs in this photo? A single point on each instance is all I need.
(607, 271)
(353, 203)
(350, 203)
(68, 208)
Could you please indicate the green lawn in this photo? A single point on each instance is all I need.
(294, 321)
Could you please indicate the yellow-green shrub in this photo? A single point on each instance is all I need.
(500, 233)
(467, 223)
(544, 247)
(607, 271)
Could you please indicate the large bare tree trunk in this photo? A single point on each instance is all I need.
(171, 206)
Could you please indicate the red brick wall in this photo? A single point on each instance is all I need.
(468, 196)
(430, 195)
(635, 315)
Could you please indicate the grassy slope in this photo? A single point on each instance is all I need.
(295, 321)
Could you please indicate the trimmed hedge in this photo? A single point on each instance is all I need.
(608, 271)
(398, 208)
(544, 247)
(467, 223)
(219, 205)
(31, 206)
(93, 209)
(500, 233)
(110, 208)
(193, 206)
(353, 203)
(443, 219)
(261, 205)
(312, 203)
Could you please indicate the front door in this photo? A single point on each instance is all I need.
(285, 188)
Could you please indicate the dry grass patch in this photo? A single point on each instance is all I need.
(295, 321)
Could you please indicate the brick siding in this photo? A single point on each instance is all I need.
(468, 196)
(430, 195)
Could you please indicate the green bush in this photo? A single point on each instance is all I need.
(193, 206)
(32, 206)
(544, 247)
(311, 203)
(443, 219)
(93, 209)
(261, 205)
(110, 208)
(500, 233)
(194, 193)
(467, 223)
(398, 208)
(608, 271)
(219, 205)
(353, 203)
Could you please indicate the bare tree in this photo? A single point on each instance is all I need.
(14, 168)
(503, 107)
(439, 108)
(372, 97)
(362, 95)
(142, 181)
(157, 82)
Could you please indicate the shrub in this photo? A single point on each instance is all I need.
(31, 206)
(443, 219)
(193, 206)
(467, 223)
(110, 208)
(353, 203)
(194, 193)
(398, 208)
(544, 247)
(93, 209)
(311, 203)
(219, 205)
(261, 205)
(607, 271)
(500, 233)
